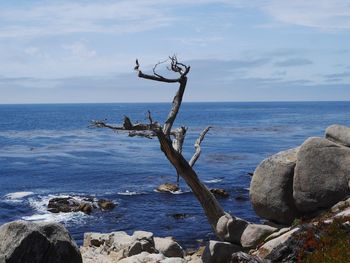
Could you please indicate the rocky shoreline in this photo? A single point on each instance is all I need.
(302, 192)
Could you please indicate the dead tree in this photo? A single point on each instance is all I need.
(171, 141)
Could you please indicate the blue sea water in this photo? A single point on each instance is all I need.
(50, 150)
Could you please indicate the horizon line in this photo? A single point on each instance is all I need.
(163, 102)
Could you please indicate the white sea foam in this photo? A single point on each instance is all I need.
(178, 192)
(17, 196)
(39, 204)
(212, 181)
(129, 193)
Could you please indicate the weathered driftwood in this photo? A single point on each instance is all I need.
(173, 148)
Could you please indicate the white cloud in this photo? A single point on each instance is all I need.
(79, 49)
(64, 18)
(322, 14)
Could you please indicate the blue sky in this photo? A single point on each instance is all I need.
(239, 50)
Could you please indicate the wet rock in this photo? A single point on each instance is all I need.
(105, 204)
(168, 187)
(29, 242)
(77, 204)
(86, 208)
(64, 205)
(218, 192)
(271, 188)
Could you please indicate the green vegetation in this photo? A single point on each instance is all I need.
(331, 243)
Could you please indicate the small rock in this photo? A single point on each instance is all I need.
(230, 228)
(85, 208)
(168, 187)
(143, 257)
(254, 234)
(106, 204)
(168, 247)
(339, 134)
(220, 192)
(218, 252)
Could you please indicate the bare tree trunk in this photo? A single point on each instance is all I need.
(221, 222)
(211, 206)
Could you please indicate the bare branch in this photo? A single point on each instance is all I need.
(138, 129)
(175, 107)
(179, 138)
(150, 117)
(156, 65)
(197, 146)
(155, 77)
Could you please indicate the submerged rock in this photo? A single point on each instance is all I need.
(218, 192)
(28, 242)
(106, 204)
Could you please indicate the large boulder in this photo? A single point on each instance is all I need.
(339, 134)
(28, 242)
(271, 188)
(321, 175)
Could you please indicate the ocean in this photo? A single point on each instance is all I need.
(50, 151)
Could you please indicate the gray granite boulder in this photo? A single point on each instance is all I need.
(28, 242)
(168, 247)
(339, 134)
(230, 228)
(254, 234)
(321, 175)
(271, 188)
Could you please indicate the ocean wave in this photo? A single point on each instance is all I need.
(17, 196)
(213, 181)
(130, 193)
(178, 192)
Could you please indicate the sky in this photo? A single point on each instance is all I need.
(258, 50)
